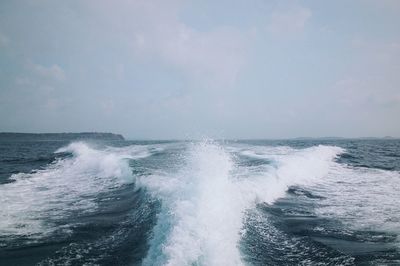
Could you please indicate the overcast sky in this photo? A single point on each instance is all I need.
(185, 69)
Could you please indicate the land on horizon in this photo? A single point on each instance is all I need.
(60, 136)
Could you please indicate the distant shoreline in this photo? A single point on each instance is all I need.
(60, 136)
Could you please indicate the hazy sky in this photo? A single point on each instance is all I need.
(185, 69)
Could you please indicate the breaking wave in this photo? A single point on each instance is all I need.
(69, 184)
(204, 204)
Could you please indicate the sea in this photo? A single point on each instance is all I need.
(204, 202)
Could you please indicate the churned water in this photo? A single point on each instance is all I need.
(288, 202)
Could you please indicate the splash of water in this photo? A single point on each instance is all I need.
(64, 186)
(204, 204)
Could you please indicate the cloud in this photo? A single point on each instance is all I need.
(288, 21)
(40, 85)
(156, 31)
(371, 81)
(378, 55)
(37, 76)
(368, 93)
(54, 72)
(217, 54)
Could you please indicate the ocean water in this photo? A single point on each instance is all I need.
(288, 202)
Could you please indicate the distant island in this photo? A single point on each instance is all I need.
(11, 136)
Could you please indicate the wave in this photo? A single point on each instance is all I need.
(290, 167)
(208, 193)
(34, 200)
(205, 203)
(361, 198)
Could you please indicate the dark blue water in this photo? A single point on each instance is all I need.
(287, 202)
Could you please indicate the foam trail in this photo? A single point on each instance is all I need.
(201, 210)
(290, 167)
(362, 198)
(35, 199)
(204, 204)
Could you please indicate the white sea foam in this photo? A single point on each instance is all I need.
(35, 199)
(362, 198)
(201, 208)
(290, 167)
(204, 204)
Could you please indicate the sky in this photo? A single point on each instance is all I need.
(156, 69)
